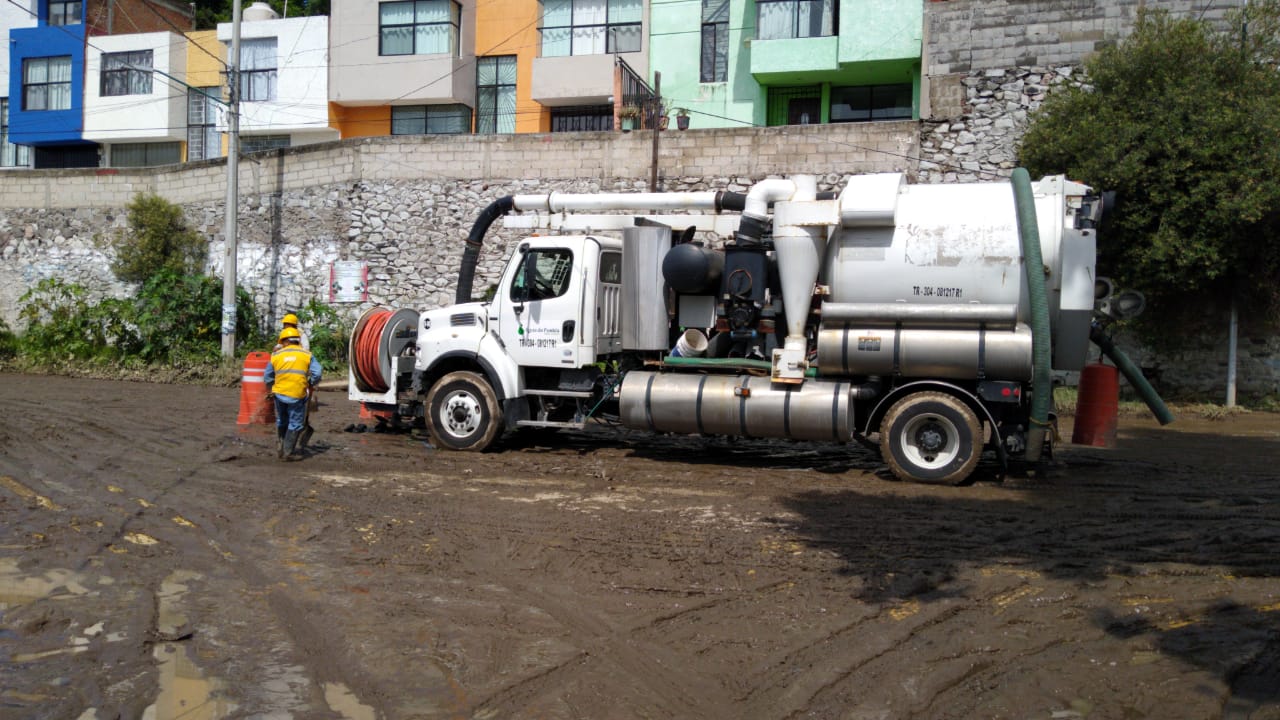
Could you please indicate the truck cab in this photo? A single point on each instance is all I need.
(528, 356)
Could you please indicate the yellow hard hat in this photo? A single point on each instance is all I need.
(289, 334)
(290, 319)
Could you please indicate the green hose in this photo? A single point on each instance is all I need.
(1042, 374)
(1134, 375)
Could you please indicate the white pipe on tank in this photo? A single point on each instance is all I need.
(595, 202)
(767, 191)
(800, 245)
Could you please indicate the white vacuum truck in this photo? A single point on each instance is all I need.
(921, 319)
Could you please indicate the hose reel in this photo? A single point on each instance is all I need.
(379, 335)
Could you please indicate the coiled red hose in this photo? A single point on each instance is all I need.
(368, 346)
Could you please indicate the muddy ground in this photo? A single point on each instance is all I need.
(157, 561)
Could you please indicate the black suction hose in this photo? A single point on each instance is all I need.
(471, 254)
(1133, 374)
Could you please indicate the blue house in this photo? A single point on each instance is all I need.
(47, 73)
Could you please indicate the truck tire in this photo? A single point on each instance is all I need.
(931, 437)
(462, 412)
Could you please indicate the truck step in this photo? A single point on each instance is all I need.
(559, 393)
(551, 424)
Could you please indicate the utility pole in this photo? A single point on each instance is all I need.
(657, 129)
(232, 210)
(1233, 323)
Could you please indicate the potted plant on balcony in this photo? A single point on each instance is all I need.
(630, 116)
(682, 118)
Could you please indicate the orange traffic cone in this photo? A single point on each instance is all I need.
(256, 407)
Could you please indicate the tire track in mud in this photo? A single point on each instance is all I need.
(153, 478)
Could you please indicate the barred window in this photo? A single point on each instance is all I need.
(715, 41)
(203, 139)
(258, 143)
(496, 94)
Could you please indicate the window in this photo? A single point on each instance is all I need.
(585, 118)
(46, 83)
(11, 155)
(203, 139)
(496, 94)
(258, 143)
(590, 27)
(780, 19)
(126, 73)
(64, 12)
(258, 70)
(715, 40)
(424, 27)
(544, 274)
(794, 106)
(145, 154)
(430, 119)
(871, 102)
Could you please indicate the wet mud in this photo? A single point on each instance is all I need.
(157, 561)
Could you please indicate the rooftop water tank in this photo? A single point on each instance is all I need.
(259, 11)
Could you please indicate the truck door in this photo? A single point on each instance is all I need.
(540, 313)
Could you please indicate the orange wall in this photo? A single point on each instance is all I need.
(353, 122)
(510, 27)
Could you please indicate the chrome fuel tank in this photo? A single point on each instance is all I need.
(739, 405)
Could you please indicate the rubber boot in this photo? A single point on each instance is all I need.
(290, 440)
(280, 442)
(305, 437)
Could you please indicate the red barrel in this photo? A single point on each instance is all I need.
(256, 407)
(1097, 406)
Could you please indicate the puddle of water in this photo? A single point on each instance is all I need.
(344, 702)
(17, 588)
(185, 692)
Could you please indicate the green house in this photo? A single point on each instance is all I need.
(732, 63)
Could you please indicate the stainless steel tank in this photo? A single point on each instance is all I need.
(739, 405)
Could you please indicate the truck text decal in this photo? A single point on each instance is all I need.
(937, 291)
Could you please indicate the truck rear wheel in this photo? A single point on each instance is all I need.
(462, 412)
(931, 437)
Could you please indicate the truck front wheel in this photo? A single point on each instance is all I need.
(931, 437)
(463, 412)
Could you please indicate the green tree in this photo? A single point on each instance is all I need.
(1181, 121)
(157, 240)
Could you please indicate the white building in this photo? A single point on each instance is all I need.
(13, 15)
(284, 70)
(135, 99)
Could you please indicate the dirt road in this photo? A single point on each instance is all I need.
(156, 561)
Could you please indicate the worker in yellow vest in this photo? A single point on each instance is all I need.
(293, 372)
